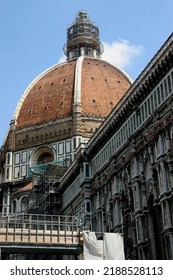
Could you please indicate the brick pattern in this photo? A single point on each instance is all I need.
(102, 87)
(52, 96)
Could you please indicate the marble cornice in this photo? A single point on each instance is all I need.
(42, 125)
(151, 75)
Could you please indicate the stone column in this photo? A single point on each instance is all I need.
(168, 213)
(140, 234)
(170, 166)
(118, 211)
(143, 187)
(164, 180)
(136, 195)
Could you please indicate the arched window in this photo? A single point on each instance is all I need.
(88, 207)
(155, 228)
(24, 204)
(14, 206)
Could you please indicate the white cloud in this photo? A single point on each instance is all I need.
(121, 53)
(62, 58)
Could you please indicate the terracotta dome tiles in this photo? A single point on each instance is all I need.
(52, 96)
(102, 87)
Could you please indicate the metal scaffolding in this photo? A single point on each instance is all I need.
(44, 197)
(83, 38)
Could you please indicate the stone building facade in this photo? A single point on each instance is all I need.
(106, 142)
(124, 180)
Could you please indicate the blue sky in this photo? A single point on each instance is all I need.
(33, 33)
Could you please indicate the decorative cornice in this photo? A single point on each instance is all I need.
(42, 125)
(137, 92)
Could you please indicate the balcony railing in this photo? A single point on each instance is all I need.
(39, 229)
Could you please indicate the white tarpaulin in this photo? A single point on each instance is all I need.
(113, 248)
(92, 248)
(110, 248)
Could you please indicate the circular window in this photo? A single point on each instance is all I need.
(44, 158)
(42, 155)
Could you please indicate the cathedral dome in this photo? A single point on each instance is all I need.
(92, 83)
(84, 84)
(58, 113)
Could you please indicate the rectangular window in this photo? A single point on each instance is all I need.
(171, 75)
(106, 152)
(23, 170)
(132, 123)
(16, 172)
(68, 147)
(114, 143)
(158, 95)
(117, 140)
(101, 158)
(152, 102)
(24, 157)
(7, 172)
(108, 147)
(169, 84)
(127, 131)
(162, 92)
(122, 135)
(155, 99)
(137, 119)
(148, 106)
(111, 148)
(133, 126)
(120, 140)
(61, 159)
(142, 113)
(74, 143)
(165, 87)
(129, 128)
(145, 110)
(17, 158)
(61, 148)
(79, 140)
(135, 122)
(5, 200)
(8, 159)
